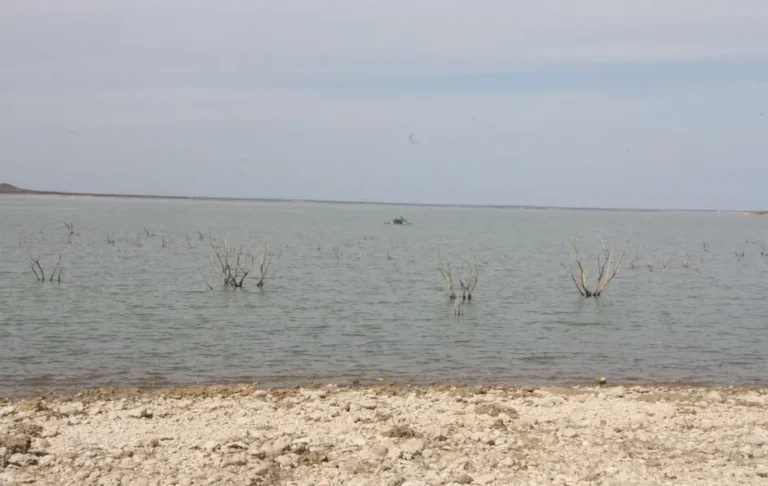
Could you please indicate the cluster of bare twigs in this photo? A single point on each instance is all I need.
(467, 277)
(71, 229)
(607, 267)
(37, 269)
(266, 269)
(234, 265)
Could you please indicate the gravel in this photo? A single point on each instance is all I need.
(388, 435)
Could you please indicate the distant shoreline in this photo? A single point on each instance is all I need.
(10, 190)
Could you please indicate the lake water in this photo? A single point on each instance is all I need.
(339, 309)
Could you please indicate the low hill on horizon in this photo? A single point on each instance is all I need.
(6, 188)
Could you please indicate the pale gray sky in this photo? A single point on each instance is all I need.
(588, 103)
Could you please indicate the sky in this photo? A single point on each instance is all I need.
(652, 104)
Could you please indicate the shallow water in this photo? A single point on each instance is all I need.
(144, 316)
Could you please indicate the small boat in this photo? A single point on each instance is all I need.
(400, 220)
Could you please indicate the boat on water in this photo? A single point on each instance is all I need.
(401, 221)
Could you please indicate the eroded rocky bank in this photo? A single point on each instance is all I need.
(388, 435)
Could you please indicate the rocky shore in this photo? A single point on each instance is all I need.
(394, 435)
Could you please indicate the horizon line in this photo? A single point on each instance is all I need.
(11, 190)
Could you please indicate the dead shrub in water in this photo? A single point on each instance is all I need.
(37, 269)
(467, 277)
(234, 265)
(607, 267)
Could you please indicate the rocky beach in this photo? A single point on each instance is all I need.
(394, 435)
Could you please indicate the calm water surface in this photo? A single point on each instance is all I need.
(339, 309)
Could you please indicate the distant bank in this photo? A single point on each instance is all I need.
(9, 189)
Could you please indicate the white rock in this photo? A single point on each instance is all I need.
(139, 413)
(285, 460)
(412, 446)
(379, 450)
(23, 460)
(74, 408)
(485, 479)
(368, 404)
(756, 438)
(9, 410)
(46, 460)
(210, 446)
(259, 394)
(358, 440)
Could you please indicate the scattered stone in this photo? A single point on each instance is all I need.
(464, 479)
(354, 466)
(32, 430)
(22, 460)
(9, 410)
(46, 461)
(139, 413)
(412, 446)
(380, 450)
(368, 404)
(19, 444)
(436, 435)
(210, 446)
(401, 432)
(260, 469)
(601, 380)
(236, 460)
(235, 446)
(259, 394)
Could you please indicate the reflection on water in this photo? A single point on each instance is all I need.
(340, 308)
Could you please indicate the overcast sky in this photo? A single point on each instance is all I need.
(577, 103)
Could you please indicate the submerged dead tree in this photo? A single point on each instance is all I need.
(468, 280)
(608, 266)
(37, 269)
(234, 265)
(467, 277)
(447, 272)
(265, 266)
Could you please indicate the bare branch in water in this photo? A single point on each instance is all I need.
(447, 273)
(35, 267)
(189, 243)
(57, 267)
(608, 266)
(233, 265)
(468, 279)
(71, 229)
(265, 266)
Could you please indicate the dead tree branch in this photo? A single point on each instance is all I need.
(37, 269)
(447, 273)
(233, 265)
(71, 229)
(265, 266)
(36, 263)
(468, 280)
(57, 267)
(608, 266)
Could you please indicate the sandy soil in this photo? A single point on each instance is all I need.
(388, 435)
